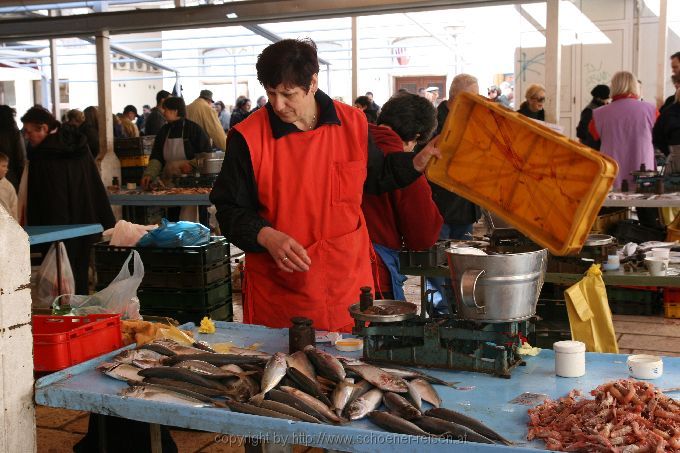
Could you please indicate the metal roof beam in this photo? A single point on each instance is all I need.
(250, 12)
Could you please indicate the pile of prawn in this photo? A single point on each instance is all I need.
(626, 416)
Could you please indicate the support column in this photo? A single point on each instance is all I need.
(355, 61)
(55, 95)
(553, 62)
(103, 50)
(662, 56)
(17, 417)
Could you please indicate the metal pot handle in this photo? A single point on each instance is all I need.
(468, 284)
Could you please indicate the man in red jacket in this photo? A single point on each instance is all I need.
(407, 217)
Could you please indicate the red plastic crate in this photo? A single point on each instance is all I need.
(63, 341)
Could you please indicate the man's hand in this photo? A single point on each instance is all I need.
(145, 182)
(288, 254)
(423, 157)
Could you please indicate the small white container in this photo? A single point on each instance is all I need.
(644, 366)
(661, 252)
(131, 185)
(612, 264)
(570, 358)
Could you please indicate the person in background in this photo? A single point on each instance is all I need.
(600, 94)
(202, 113)
(128, 120)
(422, 92)
(241, 111)
(675, 74)
(12, 144)
(459, 214)
(155, 120)
(496, 95)
(362, 103)
(375, 107)
(64, 186)
(405, 217)
(433, 92)
(624, 128)
(77, 119)
(90, 128)
(142, 118)
(290, 190)
(533, 105)
(8, 194)
(666, 131)
(261, 101)
(117, 126)
(222, 115)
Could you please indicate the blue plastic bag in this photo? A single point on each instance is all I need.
(176, 234)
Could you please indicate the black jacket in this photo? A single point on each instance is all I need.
(92, 136)
(667, 129)
(582, 131)
(64, 186)
(455, 209)
(12, 144)
(526, 111)
(154, 122)
(237, 116)
(195, 139)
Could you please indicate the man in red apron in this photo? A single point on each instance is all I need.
(290, 190)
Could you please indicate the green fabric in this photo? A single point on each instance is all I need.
(153, 169)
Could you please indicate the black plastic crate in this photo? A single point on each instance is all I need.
(222, 312)
(185, 299)
(545, 338)
(134, 146)
(144, 215)
(131, 174)
(552, 309)
(177, 258)
(190, 278)
(631, 231)
(634, 301)
(434, 256)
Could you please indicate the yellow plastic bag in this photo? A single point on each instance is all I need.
(590, 318)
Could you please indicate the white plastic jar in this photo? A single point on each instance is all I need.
(570, 358)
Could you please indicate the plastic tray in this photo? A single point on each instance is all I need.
(671, 310)
(607, 219)
(135, 161)
(62, 341)
(222, 312)
(135, 146)
(547, 186)
(177, 258)
(185, 299)
(170, 278)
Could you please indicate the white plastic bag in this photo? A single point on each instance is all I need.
(119, 297)
(126, 234)
(47, 285)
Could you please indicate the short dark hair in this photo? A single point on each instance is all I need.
(4, 157)
(291, 62)
(40, 115)
(411, 116)
(369, 92)
(675, 55)
(363, 100)
(175, 103)
(162, 95)
(7, 121)
(241, 102)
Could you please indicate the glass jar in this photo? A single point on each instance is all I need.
(300, 334)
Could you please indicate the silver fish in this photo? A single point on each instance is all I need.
(409, 373)
(160, 395)
(121, 371)
(301, 381)
(297, 403)
(325, 364)
(450, 430)
(313, 402)
(426, 391)
(400, 406)
(360, 388)
(414, 396)
(130, 355)
(300, 362)
(249, 352)
(341, 395)
(379, 378)
(360, 407)
(274, 371)
(145, 363)
(176, 348)
(182, 374)
(396, 424)
(473, 424)
(247, 408)
(288, 410)
(207, 369)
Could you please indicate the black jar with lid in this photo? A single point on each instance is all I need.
(300, 334)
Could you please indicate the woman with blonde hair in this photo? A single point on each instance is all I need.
(533, 105)
(624, 127)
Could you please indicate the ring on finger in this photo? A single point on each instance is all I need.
(284, 259)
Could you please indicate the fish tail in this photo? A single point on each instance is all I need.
(257, 399)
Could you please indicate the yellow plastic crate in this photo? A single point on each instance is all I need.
(673, 230)
(547, 186)
(671, 310)
(607, 219)
(137, 161)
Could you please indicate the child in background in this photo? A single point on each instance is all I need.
(8, 196)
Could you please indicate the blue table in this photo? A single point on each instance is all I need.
(143, 199)
(83, 388)
(53, 233)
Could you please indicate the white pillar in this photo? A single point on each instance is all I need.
(17, 417)
(553, 62)
(662, 57)
(355, 61)
(56, 97)
(103, 50)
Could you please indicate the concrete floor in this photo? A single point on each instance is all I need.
(60, 429)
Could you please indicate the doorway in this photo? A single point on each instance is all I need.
(413, 83)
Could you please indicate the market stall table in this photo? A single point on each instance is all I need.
(651, 200)
(484, 397)
(151, 199)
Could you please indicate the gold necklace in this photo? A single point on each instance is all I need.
(313, 122)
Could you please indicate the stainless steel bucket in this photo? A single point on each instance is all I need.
(497, 288)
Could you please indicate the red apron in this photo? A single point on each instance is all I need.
(310, 186)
